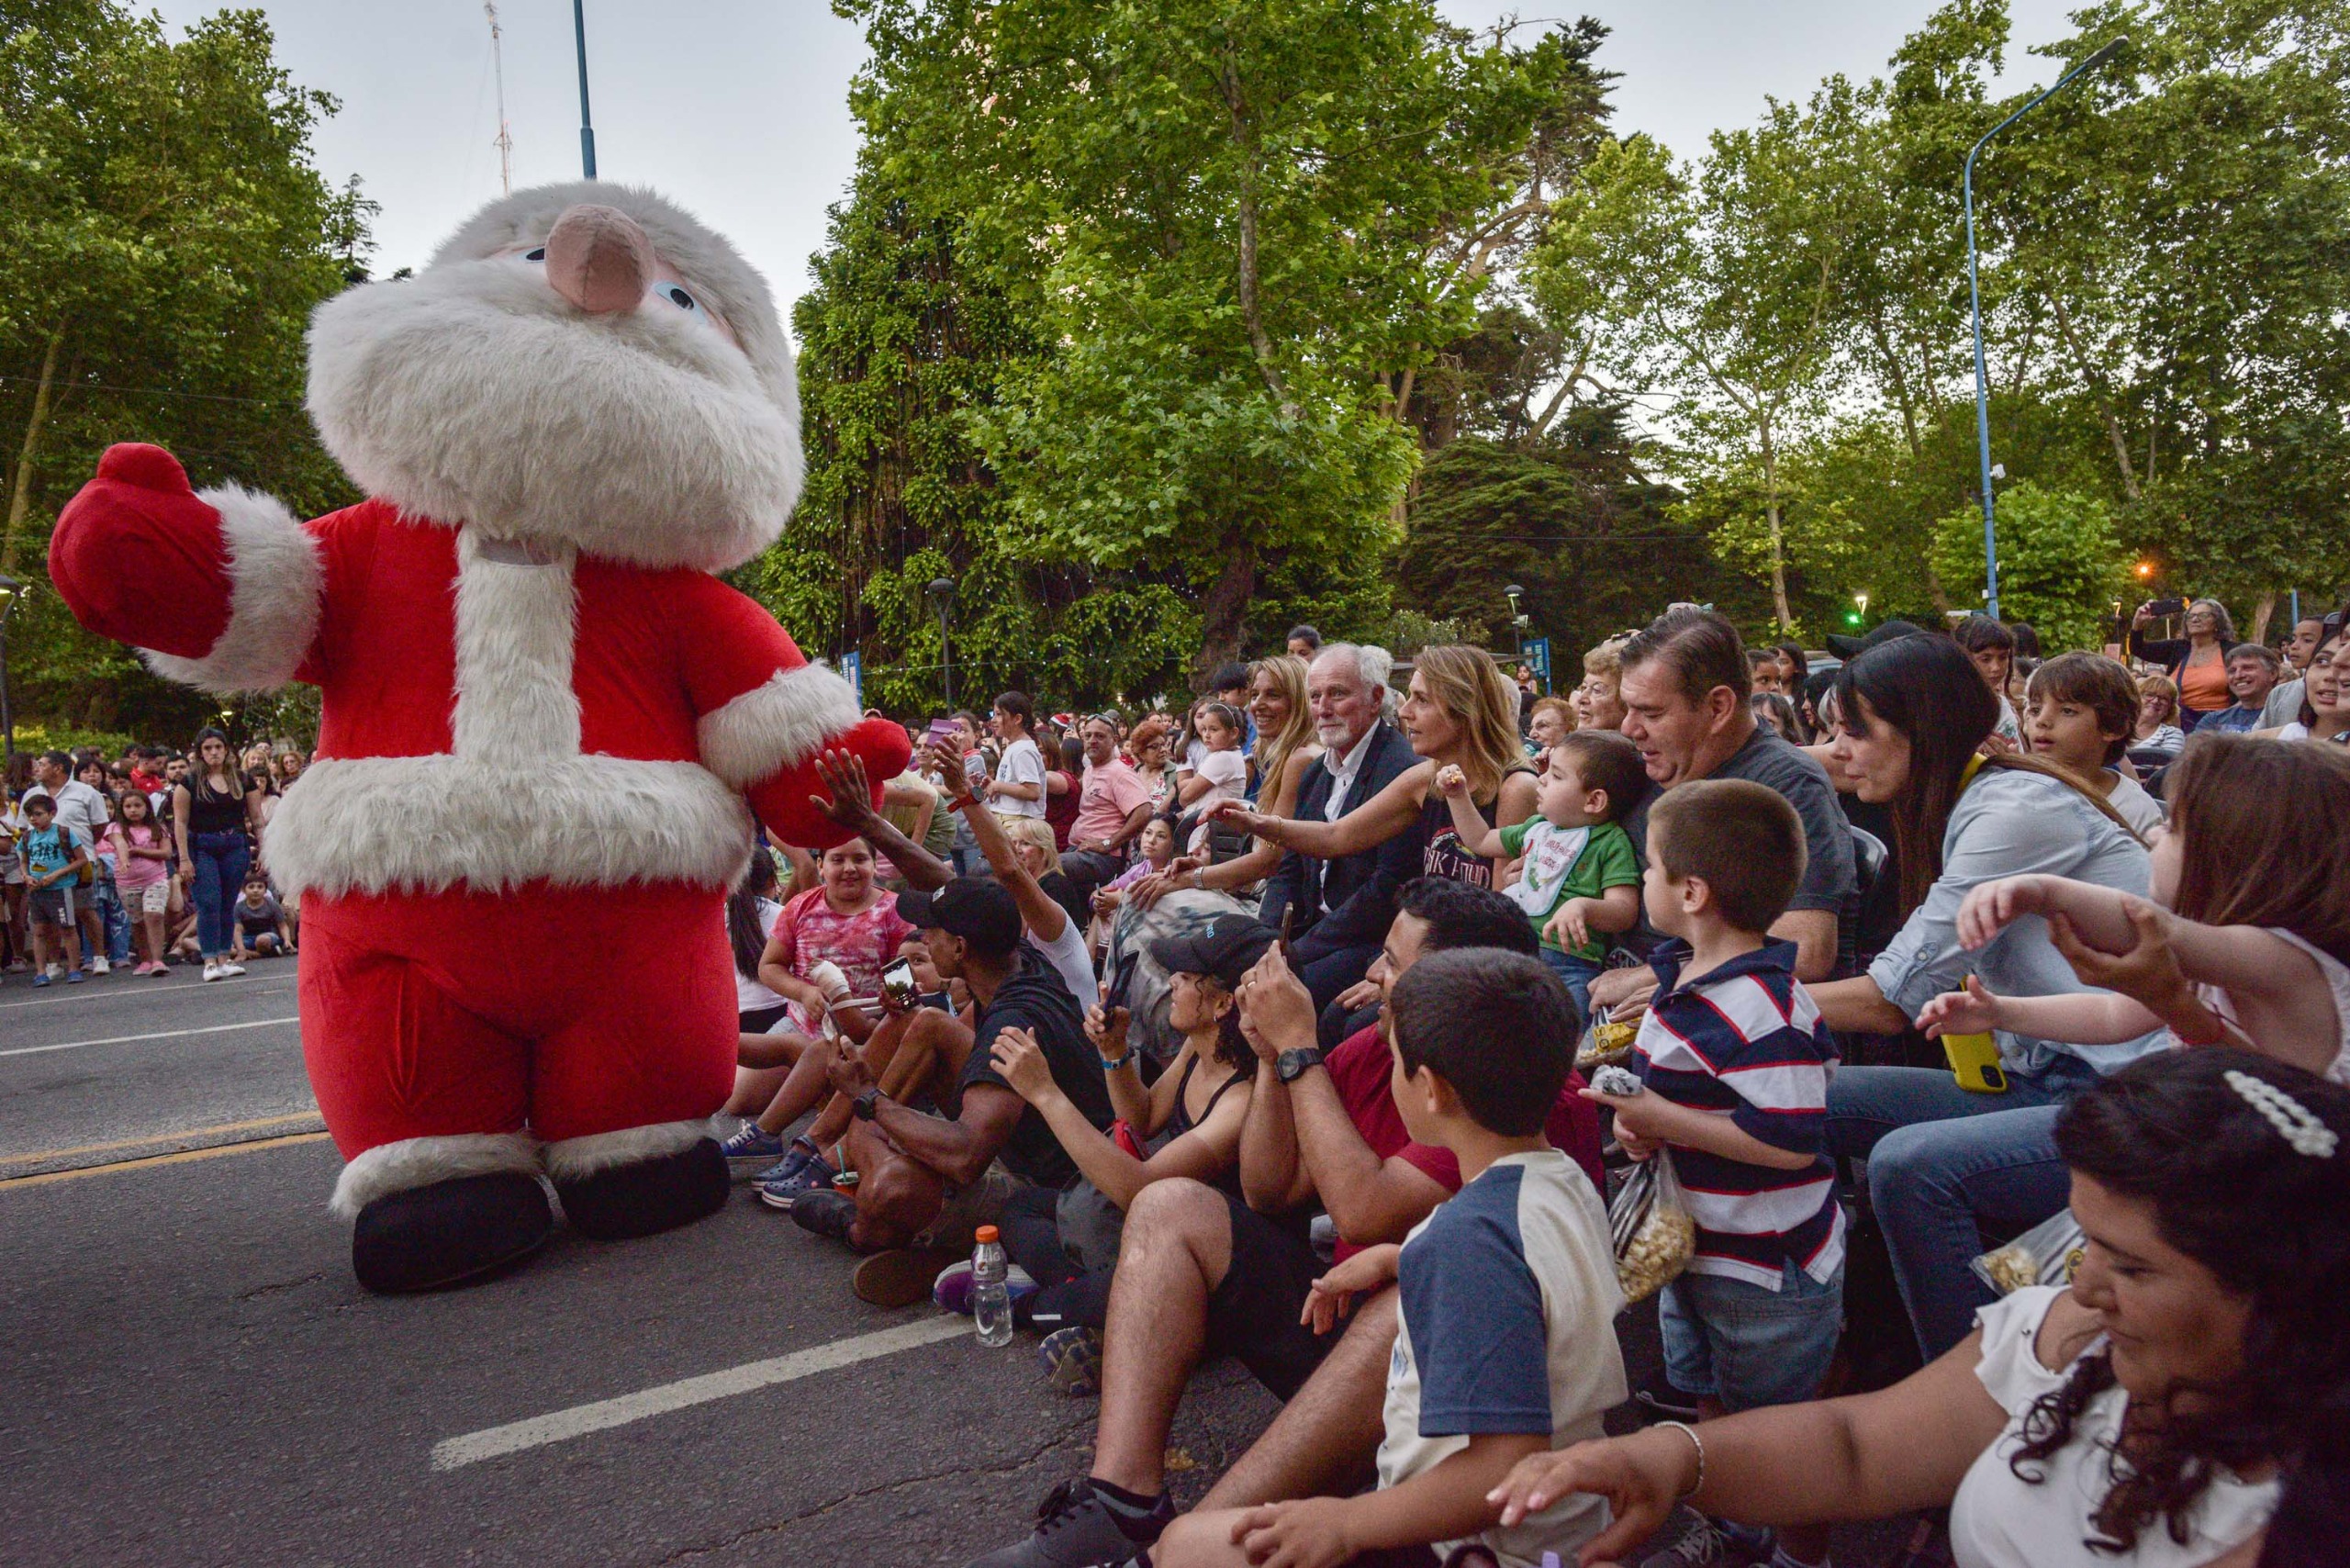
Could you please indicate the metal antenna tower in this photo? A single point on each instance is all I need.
(498, 69)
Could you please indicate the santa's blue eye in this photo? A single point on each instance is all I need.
(677, 297)
(538, 255)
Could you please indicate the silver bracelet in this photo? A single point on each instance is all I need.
(1697, 1442)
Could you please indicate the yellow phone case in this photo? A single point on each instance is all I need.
(1975, 1062)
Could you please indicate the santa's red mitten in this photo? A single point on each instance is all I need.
(785, 802)
(136, 556)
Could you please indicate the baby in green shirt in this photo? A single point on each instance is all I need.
(1580, 882)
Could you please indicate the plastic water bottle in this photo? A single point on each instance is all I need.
(990, 1299)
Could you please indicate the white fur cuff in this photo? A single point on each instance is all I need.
(777, 725)
(575, 1156)
(275, 586)
(391, 1168)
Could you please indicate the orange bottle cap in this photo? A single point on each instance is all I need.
(985, 1233)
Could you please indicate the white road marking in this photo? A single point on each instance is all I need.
(160, 1034)
(62, 994)
(581, 1420)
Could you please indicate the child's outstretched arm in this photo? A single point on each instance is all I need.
(1476, 835)
(2084, 1018)
(1444, 1503)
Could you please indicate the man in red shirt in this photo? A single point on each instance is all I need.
(1200, 1274)
(1113, 804)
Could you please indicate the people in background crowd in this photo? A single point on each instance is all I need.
(2156, 729)
(217, 816)
(1943, 1162)
(1991, 643)
(2196, 661)
(1598, 701)
(1113, 805)
(1552, 720)
(1018, 787)
(2325, 697)
(2255, 670)
(1302, 642)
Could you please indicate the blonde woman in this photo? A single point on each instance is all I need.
(1032, 841)
(1599, 700)
(1459, 712)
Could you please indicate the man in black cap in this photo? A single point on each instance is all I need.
(925, 1182)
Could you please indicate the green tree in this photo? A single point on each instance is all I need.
(2062, 566)
(1237, 232)
(162, 238)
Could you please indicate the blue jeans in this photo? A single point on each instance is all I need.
(1945, 1165)
(107, 901)
(220, 859)
(1748, 1346)
(1578, 973)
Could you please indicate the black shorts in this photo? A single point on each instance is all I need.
(1254, 1314)
(760, 1020)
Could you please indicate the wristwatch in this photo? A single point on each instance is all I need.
(1290, 1066)
(865, 1104)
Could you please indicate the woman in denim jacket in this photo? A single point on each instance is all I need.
(1945, 1162)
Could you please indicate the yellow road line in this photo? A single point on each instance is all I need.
(39, 1155)
(250, 1146)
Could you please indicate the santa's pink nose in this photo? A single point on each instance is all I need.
(598, 258)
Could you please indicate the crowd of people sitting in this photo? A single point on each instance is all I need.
(1318, 1024)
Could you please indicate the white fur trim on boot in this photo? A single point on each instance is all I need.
(574, 1157)
(777, 725)
(391, 1168)
(275, 583)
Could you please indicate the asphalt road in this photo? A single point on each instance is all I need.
(192, 1377)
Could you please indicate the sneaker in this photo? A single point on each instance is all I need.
(752, 1144)
(74, 977)
(783, 1187)
(824, 1212)
(211, 970)
(1075, 1529)
(230, 966)
(952, 1288)
(1072, 1359)
(1708, 1543)
(898, 1277)
(42, 979)
(100, 967)
(55, 971)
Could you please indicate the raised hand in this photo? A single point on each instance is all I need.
(1974, 1011)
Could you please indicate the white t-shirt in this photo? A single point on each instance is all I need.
(1506, 1298)
(1999, 1521)
(750, 996)
(79, 807)
(1022, 764)
(1071, 959)
(2140, 810)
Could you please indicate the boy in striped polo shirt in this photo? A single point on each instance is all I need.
(1734, 1063)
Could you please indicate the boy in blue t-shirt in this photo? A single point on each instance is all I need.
(1580, 883)
(1734, 1060)
(53, 860)
(1506, 1296)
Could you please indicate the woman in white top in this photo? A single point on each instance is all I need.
(2138, 1418)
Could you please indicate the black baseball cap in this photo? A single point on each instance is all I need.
(978, 908)
(1226, 947)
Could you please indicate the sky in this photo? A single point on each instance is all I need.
(738, 109)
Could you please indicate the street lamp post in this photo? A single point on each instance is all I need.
(587, 129)
(1517, 619)
(1975, 303)
(942, 594)
(11, 593)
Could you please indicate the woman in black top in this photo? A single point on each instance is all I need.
(211, 815)
(2197, 663)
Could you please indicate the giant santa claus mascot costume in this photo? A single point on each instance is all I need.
(543, 716)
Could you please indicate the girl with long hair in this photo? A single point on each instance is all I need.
(217, 816)
(2245, 940)
(1459, 712)
(2140, 1417)
(751, 912)
(2325, 697)
(142, 872)
(1912, 717)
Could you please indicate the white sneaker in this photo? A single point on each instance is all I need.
(211, 972)
(230, 966)
(57, 971)
(100, 967)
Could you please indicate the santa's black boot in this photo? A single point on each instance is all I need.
(646, 1196)
(421, 1238)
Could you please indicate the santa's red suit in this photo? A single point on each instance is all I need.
(538, 735)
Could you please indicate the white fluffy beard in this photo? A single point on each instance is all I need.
(473, 393)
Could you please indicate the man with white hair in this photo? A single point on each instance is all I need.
(1337, 912)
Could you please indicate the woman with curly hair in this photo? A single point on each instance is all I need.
(2141, 1416)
